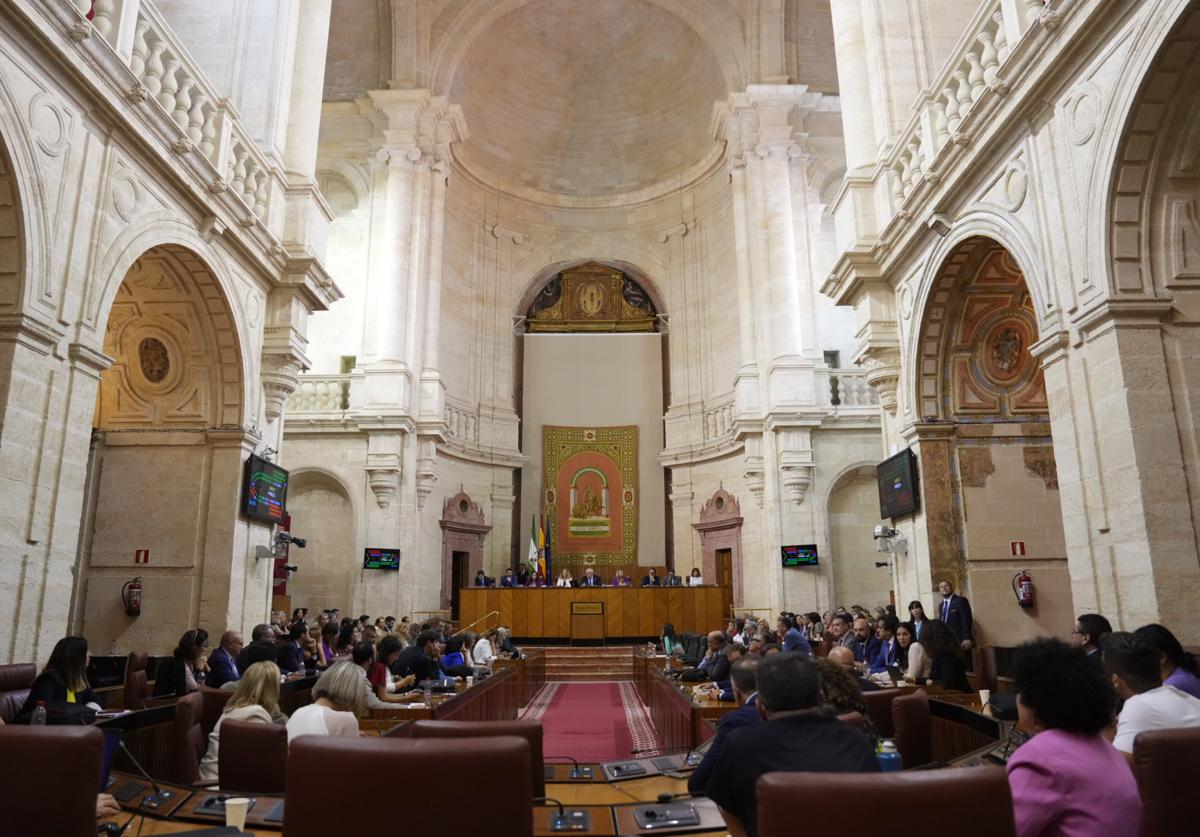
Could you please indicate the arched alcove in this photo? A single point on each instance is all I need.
(323, 512)
(852, 508)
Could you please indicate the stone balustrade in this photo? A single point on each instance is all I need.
(974, 68)
(718, 418)
(849, 388)
(168, 76)
(320, 394)
(462, 424)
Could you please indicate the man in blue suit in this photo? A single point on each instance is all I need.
(885, 654)
(955, 611)
(865, 646)
(744, 692)
(222, 663)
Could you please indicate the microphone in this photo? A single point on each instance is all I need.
(562, 821)
(577, 772)
(160, 796)
(693, 757)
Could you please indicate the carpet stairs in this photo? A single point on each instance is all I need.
(606, 664)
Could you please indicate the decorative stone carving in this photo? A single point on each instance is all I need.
(883, 375)
(280, 377)
(463, 530)
(426, 470)
(755, 478)
(720, 528)
(384, 482)
(154, 359)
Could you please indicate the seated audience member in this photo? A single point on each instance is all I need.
(795, 736)
(308, 653)
(887, 654)
(815, 628)
(670, 645)
(483, 654)
(864, 645)
(255, 698)
(508, 579)
(329, 636)
(506, 648)
(914, 662)
(1133, 666)
(262, 651)
(672, 580)
(844, 657)
(419, 660)
(849, 638)
(291, 655)
(375, 664)
(791, 638)
(835, 633)
(481, 579)
(222, 663)
(843, 691)
(745, 695)
(719, 686)
(453, 661)
(714, 651)
(1090, 630)
(348, 635)
(389, 624)
(63, 680)
(1067, 779)
(1178, 667)
(259, 632)
(523, 576)
(564, 579)
(695, 579)
(651, 579)
(945, 657)
(184, 672)
(338, 700)
(590, 579)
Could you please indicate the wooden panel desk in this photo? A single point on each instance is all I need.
(629, 612)
(682, 721)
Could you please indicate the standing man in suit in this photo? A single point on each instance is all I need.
(955, 611)
(744, 692)
(222, 664)
(651, 579)
(590, 579)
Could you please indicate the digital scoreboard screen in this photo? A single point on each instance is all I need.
(264, 492)
(898, 490)
(381, 559)
(802, 555)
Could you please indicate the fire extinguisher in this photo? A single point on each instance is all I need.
(131, 595)
(1022, 584)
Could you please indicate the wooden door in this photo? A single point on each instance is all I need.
(460, 571)
(725, 573)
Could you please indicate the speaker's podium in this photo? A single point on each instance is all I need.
(587, 623)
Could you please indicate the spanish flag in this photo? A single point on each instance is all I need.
(541, 543)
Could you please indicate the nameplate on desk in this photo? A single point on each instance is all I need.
(587, 608)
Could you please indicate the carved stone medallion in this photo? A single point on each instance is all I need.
(154, 360)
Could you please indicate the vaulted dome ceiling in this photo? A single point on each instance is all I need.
(587, 99)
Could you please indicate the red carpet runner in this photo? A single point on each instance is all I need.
(591, 721)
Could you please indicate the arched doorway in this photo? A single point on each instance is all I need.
(332, 560)
(988, 471)
(853, 505)
(165, 470)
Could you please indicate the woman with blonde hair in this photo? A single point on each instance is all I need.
(255, 699)
(338, 699)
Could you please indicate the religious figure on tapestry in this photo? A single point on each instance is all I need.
(590, 492)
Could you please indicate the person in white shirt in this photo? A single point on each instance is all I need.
(256, 698)
(338, 700)
(1133, 666)
(483, 653)
(564, 579)
(695, 579)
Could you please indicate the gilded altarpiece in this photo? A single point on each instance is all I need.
(592, 298)
(590, 494)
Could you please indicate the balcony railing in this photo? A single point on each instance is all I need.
(975, 67)
(849, 388)
(462, 424)
(170, 78)
(320, 394)
(718, 418)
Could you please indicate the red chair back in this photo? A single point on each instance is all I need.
(52, 777)
(531, 731)
(252, 757)
(1166, 762)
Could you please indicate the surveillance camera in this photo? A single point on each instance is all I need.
(882, 531)
(291, 540)
(291, 569)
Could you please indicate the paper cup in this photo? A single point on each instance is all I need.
(985, 697)
(235, 812)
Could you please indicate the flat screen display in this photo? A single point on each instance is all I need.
(802, 555)
(264, 493)
(381, 559)
(898, 490)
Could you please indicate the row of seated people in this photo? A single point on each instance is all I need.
(590, 578)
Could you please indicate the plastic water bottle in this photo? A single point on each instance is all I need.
(39, 715)
(888, 755)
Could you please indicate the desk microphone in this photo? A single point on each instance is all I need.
(160, 796)
(577, 772)
(692, 759)
(562, 821)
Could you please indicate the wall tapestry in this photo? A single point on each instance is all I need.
(590, 493)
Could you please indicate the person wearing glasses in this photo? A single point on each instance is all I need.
(1090, 630)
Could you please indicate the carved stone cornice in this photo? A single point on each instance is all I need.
(31, 332)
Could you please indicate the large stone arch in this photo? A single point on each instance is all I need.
(550, 270)
(844, 525)
(25, 246)
(243, 306)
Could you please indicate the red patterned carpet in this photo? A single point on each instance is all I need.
(592, 721)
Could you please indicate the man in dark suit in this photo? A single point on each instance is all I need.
(222, 663)
(419, 658)
(651, 579)
(508, 579)
(955, 611)
(672, 580)
(590, 579)
(260, 632)
(1090, 630)
(742, 676)
(865, 645)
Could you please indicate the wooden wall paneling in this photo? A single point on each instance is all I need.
(715, 619)
(661, 610)
(614, 613)
(687, 612)
(675, 597)
(629, 620)
(645, 600)
(533, 614)
(506, 606)
(563, 598)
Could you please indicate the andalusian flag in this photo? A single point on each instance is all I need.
(541, 542)
(533, 546)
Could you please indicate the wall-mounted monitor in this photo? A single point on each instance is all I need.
(381, 559)
(899, 492)
(264, 491)
(801, 555)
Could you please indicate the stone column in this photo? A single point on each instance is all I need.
(433, 388)
(854, 84)
(746, 385)
(308, 84)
